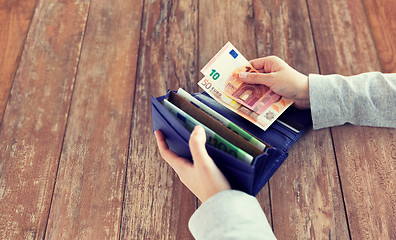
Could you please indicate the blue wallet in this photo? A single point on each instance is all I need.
(249, 178)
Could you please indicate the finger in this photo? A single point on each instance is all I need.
(262, 63)
(178, 164)
(258, 63)
(197, 147)
(258, 78)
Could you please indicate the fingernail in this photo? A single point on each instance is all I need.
(243, 75)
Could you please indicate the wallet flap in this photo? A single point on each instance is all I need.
(163, 121)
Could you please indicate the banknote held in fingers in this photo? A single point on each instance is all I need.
(257, 101)
(223, 72)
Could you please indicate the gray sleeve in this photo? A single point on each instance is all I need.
(230, 214)
(367, 99)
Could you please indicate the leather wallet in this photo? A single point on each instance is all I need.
(249, 178)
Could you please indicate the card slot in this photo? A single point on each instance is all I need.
(213, 138)
(285, 131)
(177, 138)
(290, 123)
(221, 119)
(276, 135)
(214, 125)
(299, 119)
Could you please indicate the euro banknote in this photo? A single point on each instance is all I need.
(263, 120)
(212, 138)
(222, 71)
(224, 121)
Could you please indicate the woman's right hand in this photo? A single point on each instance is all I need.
(280, 78)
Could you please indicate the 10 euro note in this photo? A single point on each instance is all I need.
(222, 72)
(263, 120)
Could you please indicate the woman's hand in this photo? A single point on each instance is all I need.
(202, 177)
(280, 78)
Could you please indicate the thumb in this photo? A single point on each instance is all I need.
(197, 146)
(257, 78)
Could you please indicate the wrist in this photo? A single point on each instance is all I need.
(302, 99)
(305, 93)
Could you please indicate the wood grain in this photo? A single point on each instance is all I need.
(365, 155)
(89, 188)
(305, 192)
(382, 19)
(223, 21)
(15, 18)
(284, 30)
(157, 205)
(368, 156)
(104, 146)
(34, 121)
(342, 37)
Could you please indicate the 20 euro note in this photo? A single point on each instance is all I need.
(211, 137)
(223, 70)
(224, 121)
(263, 120)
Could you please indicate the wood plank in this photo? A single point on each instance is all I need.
(34, 121)
(89, 188)
(225, 21)
(157, 205)
(365, 155)
(305, 191)
(284, 30)
(306, 194)
(382, 18)
(15, 18)
(342, 37)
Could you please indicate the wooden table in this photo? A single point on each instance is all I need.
(77, 156)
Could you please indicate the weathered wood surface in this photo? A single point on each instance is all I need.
(382, 19)
(365, 155)
(34, 121)
(156, 204)
(306, 196)
(15, 18)
(306, 199)
(88, 194)
(111, 181)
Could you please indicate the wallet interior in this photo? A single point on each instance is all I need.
(279, 137)
(214, 125)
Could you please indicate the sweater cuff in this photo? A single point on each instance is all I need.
(230, 214)
(326, 102)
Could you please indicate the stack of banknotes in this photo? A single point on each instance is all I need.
(256, 103)
(190, 112)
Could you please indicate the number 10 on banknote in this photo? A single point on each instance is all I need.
(223, 70)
